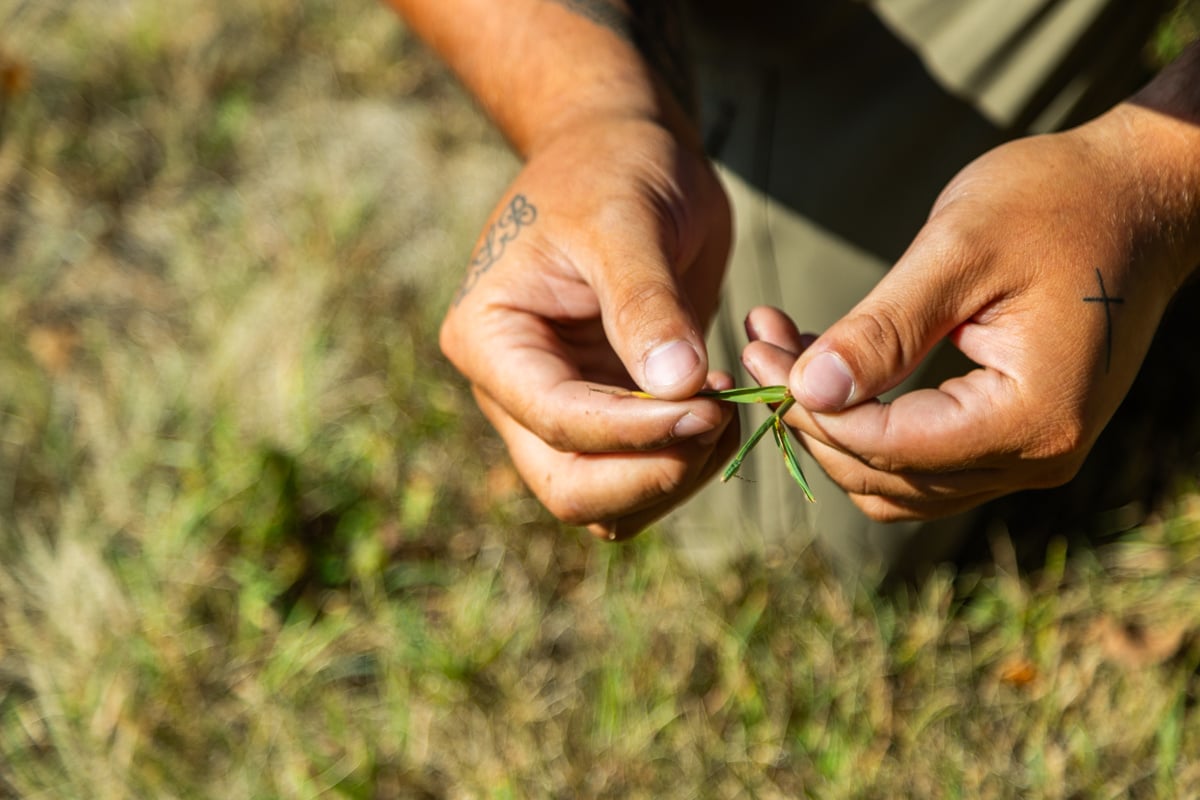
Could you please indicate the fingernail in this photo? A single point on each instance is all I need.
(669, 365)
(690, 425)
(828, 382)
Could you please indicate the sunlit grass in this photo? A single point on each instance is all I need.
(256, 542)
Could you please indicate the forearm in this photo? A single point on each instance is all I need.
(539, 67)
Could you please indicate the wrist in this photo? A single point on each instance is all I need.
(1152, 156)
(623, 126)
(539, 67)
(599, 100)
(1153, 140)
(635, 65)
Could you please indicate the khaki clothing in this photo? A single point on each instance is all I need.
(835, 125)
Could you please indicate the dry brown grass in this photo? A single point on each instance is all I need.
(255, 541)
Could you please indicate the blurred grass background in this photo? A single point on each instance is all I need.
(256, 542)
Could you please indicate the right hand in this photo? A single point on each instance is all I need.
(601, 268)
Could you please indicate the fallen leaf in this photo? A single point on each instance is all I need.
(1018, 671)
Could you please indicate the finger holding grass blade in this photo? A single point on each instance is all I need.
(774, 423)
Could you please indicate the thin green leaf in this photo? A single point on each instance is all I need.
(789, 453)
(749, 394)
(736, 464)
(774, 423)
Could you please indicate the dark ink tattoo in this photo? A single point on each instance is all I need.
(655, 29)
(519, 214)
(1108, 301)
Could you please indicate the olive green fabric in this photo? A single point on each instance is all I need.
(835, 125)
(1036, 66)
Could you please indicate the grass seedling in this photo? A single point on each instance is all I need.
(774, 423)
(789, 453)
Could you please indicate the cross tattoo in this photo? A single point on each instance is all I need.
(1108, 302)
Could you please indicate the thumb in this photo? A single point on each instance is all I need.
(652, 327)
(881, 340)
(658, 277)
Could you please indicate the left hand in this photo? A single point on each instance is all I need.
(1048, 262)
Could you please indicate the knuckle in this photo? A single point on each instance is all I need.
(1058, 473)
(881, 462)
(565, 505)
(861, 473)
(639, 305)
(884, 510)
(955, 242)
(1067, 439)
(669, 479)
(575, 503)
(569, 515)
(850, 476)
(883, 335)
(557, 494)
(1061, 450)
(876, 508)
(550, 428)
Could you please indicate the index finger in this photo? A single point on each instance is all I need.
(585, 417)
(535, 371)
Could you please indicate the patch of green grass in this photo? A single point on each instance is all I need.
(256, 542)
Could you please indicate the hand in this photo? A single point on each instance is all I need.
(1048, 262)
(601, 268)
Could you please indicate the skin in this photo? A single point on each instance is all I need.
(1009, 268)
(620, 264)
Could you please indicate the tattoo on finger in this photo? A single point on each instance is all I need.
(517, 215)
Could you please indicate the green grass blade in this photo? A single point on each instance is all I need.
(742, 394)
(736, 464)
(789, 453)
(749, 394)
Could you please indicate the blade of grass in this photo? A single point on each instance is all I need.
(789, 453)
(774, 423)
(749, 394)
(736, 464)
(744, 394)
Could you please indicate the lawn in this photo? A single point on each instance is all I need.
(257, 542)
